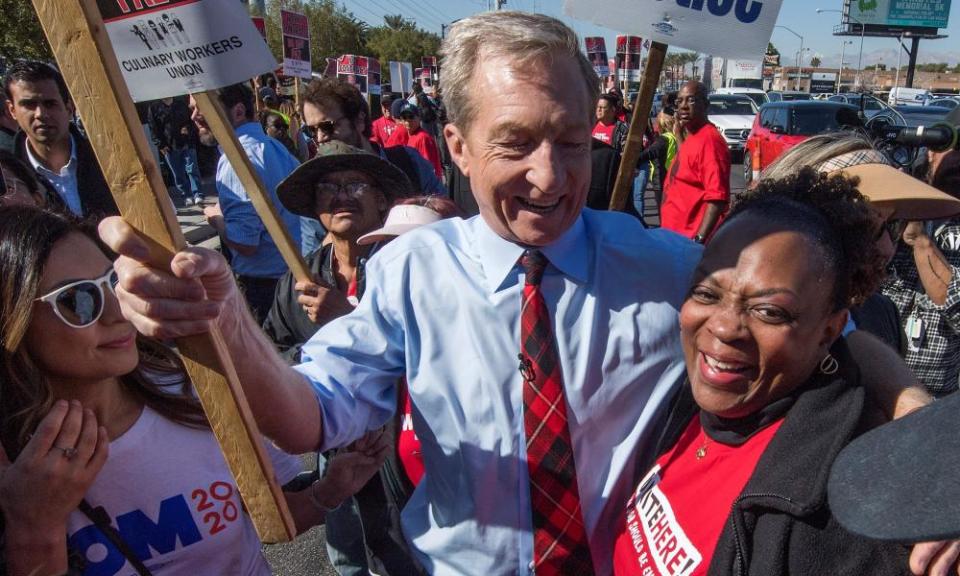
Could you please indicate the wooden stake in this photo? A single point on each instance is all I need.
(638, 124)
(216, 117)
(76, 34)
(296, 93)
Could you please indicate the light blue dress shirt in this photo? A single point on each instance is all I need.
(442, 307)
(65, 181)
(273, 162)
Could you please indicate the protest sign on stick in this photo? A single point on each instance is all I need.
(296, 44)
(216, 117)
(638, 123)
(77, 36)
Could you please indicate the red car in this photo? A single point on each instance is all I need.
(781, 125)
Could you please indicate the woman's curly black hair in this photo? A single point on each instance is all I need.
(832, 212)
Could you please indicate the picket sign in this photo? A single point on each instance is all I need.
(76, 33)
(622, 190)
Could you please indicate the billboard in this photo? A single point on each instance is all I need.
(921, 13)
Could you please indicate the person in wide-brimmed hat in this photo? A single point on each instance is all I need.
(349, 191)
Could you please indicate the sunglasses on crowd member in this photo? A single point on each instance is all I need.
(327, 128)
(79, 304)
(353, 189)
(892, 227)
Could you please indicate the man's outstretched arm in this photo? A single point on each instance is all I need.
(196, 292)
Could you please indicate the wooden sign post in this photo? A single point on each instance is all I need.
(83, 51)
(638, 124)
(213, 112)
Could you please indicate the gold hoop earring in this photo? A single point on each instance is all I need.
(829, 365)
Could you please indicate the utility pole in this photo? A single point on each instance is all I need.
(500, 4)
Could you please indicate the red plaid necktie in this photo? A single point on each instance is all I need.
(559, 538)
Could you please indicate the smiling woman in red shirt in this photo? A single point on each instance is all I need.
(740, 486)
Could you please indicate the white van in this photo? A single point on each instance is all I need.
(758, 96)
(908, 96)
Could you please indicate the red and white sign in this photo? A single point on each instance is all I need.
(597, 54)
(362, 71)
(628, 58)
(296, 44)
(177, 47)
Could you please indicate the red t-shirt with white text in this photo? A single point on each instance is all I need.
(382, 129)
(700, 174)
(604, 132)
(676, 515)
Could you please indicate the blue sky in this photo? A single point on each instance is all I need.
(799, 15)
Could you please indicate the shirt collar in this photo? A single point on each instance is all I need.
(499, 256)
(38, 165)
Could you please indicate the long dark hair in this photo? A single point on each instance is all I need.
(27, 237)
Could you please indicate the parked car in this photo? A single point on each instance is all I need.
(758, 96)
(871, 105)
(914, 115)
(787, 95)
(733, 116)
(901, 96)
(948, 103)
(781, 125)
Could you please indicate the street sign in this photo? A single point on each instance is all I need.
(296, 44)
(185, 46)
(732, 28)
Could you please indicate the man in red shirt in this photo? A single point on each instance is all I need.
(384, 126)
(608, 129)
(419, 139)
(697, 190)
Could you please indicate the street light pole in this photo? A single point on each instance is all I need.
(799, 54)
(843, 50)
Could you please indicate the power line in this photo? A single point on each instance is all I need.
(365, 8)
(428, 9)
(419, 14)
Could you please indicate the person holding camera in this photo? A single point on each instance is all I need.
(924, 283)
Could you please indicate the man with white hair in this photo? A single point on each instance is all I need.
(539, 340)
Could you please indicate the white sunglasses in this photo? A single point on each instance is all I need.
(80, 304)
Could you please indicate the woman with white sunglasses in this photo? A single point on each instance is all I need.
(107, 464)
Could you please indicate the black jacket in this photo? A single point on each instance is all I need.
(287, 324)
(167, 123)
(781, 522)
(95, 198)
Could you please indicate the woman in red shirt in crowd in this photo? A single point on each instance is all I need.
(740, 483)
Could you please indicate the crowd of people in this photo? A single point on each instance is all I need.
(512, 385)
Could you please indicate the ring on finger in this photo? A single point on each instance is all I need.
(68, 453)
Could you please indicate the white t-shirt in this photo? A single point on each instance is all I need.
(170, 495)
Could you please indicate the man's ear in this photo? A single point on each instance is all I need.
(457, 145)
